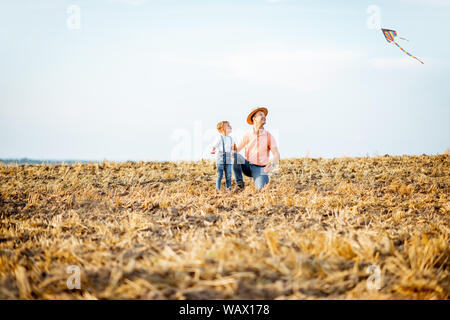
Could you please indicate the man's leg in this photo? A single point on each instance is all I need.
(260, 177)
(240, 164)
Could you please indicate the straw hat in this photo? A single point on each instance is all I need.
(253, 111)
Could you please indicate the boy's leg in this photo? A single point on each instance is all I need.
(260, 177)
(219, 175)
(228, 176)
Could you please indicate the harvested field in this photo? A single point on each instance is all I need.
(344, 228)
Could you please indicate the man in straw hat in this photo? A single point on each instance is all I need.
(258, 143)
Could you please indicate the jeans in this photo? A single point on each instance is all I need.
(220, 169)
(241, 165)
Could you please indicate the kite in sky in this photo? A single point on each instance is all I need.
(390, 34)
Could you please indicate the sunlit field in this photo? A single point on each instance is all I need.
(344, 228)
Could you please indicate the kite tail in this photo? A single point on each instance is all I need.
(409, 54)
(404, 39)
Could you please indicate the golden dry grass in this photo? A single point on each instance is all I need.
(151, 230)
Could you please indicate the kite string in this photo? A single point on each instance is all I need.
(409, 54)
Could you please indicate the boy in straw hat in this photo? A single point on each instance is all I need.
(225, 145)
(258, 143)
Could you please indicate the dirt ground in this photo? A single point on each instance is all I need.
(343, 228)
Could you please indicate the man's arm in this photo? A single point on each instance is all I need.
(276, 158)
(241, 144)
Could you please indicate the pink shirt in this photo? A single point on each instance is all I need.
(257, 147)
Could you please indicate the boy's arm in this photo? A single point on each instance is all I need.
(215, 145)
(233, 146)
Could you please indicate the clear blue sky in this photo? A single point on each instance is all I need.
(149, 80)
